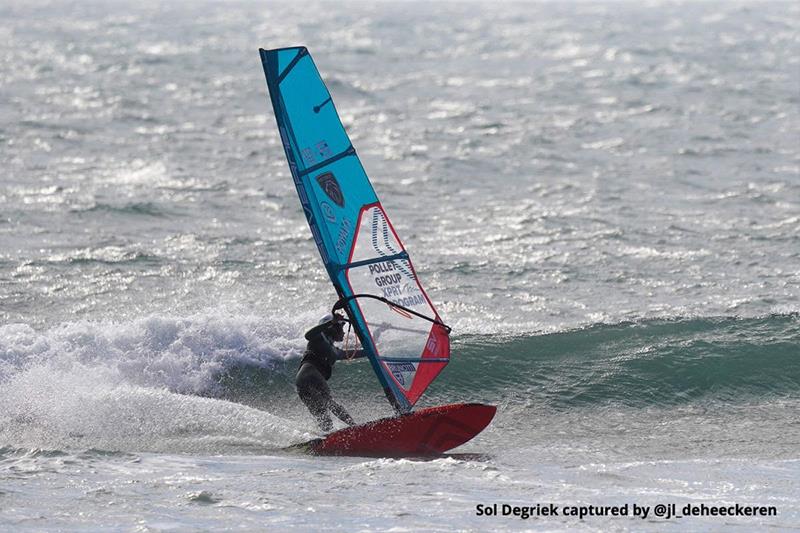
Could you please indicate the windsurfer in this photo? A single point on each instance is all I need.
(316, 367)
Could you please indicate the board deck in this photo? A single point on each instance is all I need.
(429, 431)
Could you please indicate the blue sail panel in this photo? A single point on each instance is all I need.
(284, 57)
(359, 248)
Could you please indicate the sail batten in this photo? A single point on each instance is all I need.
(398, 326)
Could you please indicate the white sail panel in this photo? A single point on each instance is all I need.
(405, 343)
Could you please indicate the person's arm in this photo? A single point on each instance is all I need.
(350, 354)
(359, 353)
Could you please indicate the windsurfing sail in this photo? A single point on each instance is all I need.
(400, 330)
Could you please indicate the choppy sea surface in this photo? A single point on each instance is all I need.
(602, 199)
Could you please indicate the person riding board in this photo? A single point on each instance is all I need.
(316, 368)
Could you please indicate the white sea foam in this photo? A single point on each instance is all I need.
(184, 355)
(135, 386)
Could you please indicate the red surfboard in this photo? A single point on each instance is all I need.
(429, 431)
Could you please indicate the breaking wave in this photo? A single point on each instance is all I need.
(205, 382)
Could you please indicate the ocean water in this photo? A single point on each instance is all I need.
(602, 199)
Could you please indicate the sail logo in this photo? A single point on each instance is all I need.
(328, 212)
(323, 149)
(411, 288)
(432, 345)
(308, 156)
(330, 186)
(400, 369)
(382, 242)
(342, 240)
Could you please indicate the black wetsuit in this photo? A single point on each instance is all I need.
(315, 369)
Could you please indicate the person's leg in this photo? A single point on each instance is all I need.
(316, 405)
(314, 393)
(341, 413)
